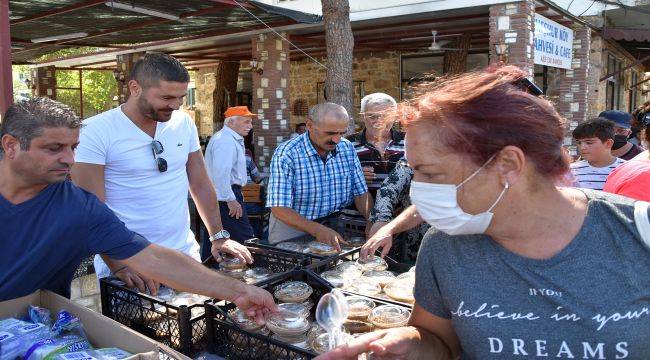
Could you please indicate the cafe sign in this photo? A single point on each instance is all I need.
(553, 43)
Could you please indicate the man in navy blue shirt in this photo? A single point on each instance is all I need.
(49, 225)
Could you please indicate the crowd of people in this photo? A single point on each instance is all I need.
(517, 249)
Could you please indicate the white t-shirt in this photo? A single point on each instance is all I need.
(149, 202)
(590, 177)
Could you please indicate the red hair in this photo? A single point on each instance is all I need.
(480, 113)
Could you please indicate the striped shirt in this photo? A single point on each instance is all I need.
(312, 186)
(590, 177)
(371, 157)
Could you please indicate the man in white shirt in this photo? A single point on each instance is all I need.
(142, 158)
(226, 163)
(595, 138)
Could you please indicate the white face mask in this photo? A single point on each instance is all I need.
(438, 205)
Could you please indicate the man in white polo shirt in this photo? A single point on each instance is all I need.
(141, 158)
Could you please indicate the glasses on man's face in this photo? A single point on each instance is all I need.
(157, 149)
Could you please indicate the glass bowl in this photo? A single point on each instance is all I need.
(389, 316)
(293, 291)
(296, 308)
(320, 344)
(257, 274)
(243, 321)
(373, 263)
(365, 287)
(336, 278)
(400, 290)
(291, 246)
(359, 307)
(350, 269)
(239, 274)
(358, 326)
(300, 341)
(287, 324)
(319, 248)
(382, 277)
(232, 263)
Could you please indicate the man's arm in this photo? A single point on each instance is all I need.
(322, 233)
(364, 204)
(183, 273)
(205, 198)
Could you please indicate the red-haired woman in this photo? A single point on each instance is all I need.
(518, 267)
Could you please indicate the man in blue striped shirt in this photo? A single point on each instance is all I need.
(314, 176)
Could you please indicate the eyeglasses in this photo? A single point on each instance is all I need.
(530, 87)
(157, 149)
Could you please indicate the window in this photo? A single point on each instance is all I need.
(615, 83)
(190, 99)
(541, 77)
(422, 68)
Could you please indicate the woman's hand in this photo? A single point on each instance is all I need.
(381, 237)
(397, 343)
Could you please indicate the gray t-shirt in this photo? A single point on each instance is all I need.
(590, 301)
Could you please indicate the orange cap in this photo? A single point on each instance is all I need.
(238, 111)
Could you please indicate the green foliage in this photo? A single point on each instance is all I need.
(99, 88)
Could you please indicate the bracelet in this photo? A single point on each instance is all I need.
(120, 269)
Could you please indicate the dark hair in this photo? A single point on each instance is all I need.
(300, 124)
(480, 113)
(26, 119)
(153, 67)
(599, 127)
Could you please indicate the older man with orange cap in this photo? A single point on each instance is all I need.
(226, 163)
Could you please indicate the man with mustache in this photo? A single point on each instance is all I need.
(379, 146)
(142, 158)
(313, 177)
(49, 225)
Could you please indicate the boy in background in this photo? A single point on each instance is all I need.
(595, 138)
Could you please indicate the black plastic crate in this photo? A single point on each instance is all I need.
(394, 266)
(228, 340)
(86, 267)
(276, 260)
(347, 253)
(183, 328)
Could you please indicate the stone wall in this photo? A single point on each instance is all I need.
(379, 72)
(514, 24)
(44, 82)
(598, 93)
(205, 81)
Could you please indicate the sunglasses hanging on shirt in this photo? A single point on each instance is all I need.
(157, 149)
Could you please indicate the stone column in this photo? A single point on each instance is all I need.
(514, 24)
(573, 102)
(44, 82)
(205, 82)
(123, 70)
(270, 95)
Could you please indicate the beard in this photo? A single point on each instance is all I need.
(149, 111)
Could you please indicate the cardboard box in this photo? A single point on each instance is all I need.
(102, 332)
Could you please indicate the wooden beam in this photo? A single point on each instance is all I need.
(63, 10)
(132, 26)
(6, 81)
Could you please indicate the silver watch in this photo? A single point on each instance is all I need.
(223, 234)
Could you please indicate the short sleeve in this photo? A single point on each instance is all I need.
(427, 291)
(93, 144)
(280, 189)
(108, 235)
(194, 142)
(359, 186)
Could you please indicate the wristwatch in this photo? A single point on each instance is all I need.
(223, 234)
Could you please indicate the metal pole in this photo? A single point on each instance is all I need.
(6, 80)
(81, 94)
